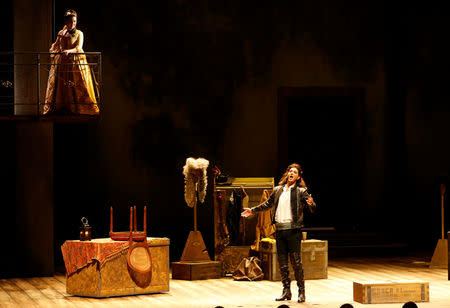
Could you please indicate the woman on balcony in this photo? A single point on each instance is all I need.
(71, 87)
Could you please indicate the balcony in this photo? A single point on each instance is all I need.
(73, 92)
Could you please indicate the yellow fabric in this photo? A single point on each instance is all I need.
(245, 199)
(264, 226)
(269, 240)
(71, 86)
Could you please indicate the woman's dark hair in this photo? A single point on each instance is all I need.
(69, 14)
(346, 306)
(300, 181)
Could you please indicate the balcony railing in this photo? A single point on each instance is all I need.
(24, 79)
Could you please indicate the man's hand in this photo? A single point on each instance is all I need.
(310, 200)
(246, 213)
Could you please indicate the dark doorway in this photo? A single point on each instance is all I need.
(322, 129)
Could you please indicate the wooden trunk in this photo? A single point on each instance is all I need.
(198, 270)
(314, 260)
(269, 265)
(111, 277)
(232, 256)
(379, 292)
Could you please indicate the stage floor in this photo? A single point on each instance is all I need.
(331, 292)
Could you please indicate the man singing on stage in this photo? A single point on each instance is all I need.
(289, 199)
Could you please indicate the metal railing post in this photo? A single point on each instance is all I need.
(38, 66)
(100, 73)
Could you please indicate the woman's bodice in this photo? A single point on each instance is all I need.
(70, 41)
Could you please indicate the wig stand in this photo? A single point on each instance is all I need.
(195, 262)
(440, 255)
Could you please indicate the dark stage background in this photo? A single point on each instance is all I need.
(203, 78)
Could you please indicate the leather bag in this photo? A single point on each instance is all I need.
(248, 270)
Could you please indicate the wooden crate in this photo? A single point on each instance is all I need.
(198, 270)
(231, 256)
(379, 292)
(269, 265)
(314, 260)
(111, 277)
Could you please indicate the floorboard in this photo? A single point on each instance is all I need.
(225, 292)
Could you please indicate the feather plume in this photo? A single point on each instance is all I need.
(195, 179)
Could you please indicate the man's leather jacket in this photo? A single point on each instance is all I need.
(299, 195)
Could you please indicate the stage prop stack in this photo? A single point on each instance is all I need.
(440, 255)
(127, 263)
(234, 236)
(195, 262)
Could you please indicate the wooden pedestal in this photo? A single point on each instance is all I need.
(314, 260)
(198, 270)
(440, 255)
(379, 292)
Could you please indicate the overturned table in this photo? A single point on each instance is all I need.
(98, 268)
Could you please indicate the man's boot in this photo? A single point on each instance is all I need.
(285, 280)
(298, 273)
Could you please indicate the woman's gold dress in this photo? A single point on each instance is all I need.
(71, 86)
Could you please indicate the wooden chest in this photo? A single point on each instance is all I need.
(110, 276)
(314, 260)
(378, 292)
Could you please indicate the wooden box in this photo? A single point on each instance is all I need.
(231, 256)
(379, 292)
(111, 278)
(197, 270)
(314, 260)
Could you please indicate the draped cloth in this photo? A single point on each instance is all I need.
(71, 86)
(233, 217)
(264, 226)
(79, 254)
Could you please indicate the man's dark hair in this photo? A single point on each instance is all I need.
(409, 305)
(284, 177)
(283, 306)
(346, 306)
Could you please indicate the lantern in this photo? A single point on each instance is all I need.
(85, 230)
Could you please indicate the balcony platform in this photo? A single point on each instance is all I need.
(52, 118)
